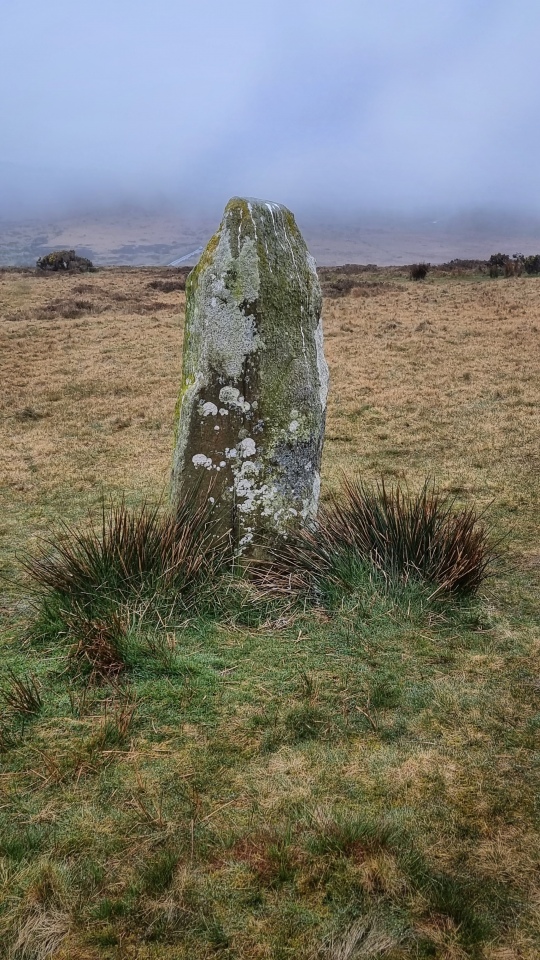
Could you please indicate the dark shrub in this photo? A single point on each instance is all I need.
(498, 259)
(461, 266)
(514, 267)
(532, 264)
(65, 260)
(419, 271)
(167, 286)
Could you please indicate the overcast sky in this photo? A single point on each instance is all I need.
(327, 105)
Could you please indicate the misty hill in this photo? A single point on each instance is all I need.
(133, 237)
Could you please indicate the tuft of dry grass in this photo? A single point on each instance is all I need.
(401, 535)
(22, 694)
(97, 651)
(41, 933)
(364, 939)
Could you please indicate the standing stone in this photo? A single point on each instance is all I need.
(252, 404)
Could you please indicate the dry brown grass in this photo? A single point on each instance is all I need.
(441, 380)
(87, 403)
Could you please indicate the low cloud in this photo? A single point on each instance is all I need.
(404, 107)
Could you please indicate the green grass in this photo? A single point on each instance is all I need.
(279, 783)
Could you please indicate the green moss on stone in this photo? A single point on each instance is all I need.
(252, 326)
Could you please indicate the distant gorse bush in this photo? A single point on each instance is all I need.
(502, 262)
(532, 264)
(65, 260)
(167, 286)
(498, 259)
(458, 265)
(419, 271)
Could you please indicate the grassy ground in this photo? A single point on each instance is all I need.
(356, 782)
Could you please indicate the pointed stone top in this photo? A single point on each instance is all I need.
(256, 201)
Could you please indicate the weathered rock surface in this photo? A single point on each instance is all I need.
(252, 404)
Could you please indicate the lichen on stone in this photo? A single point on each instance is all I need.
(253, 359)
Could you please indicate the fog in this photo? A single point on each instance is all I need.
(403, 106)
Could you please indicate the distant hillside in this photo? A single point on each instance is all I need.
(132, 237)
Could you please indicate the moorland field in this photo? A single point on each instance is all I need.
(353, 781)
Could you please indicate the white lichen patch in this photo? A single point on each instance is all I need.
(230, 333)
(209, 409)
(250, 468)
(298, 429)
(247, 447)
(234, 399)
(243, 542)
(254, 498)
(201, 460)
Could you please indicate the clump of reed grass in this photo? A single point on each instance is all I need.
(398, 535)
(22, 694)
(143, 558)
(98, 650)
